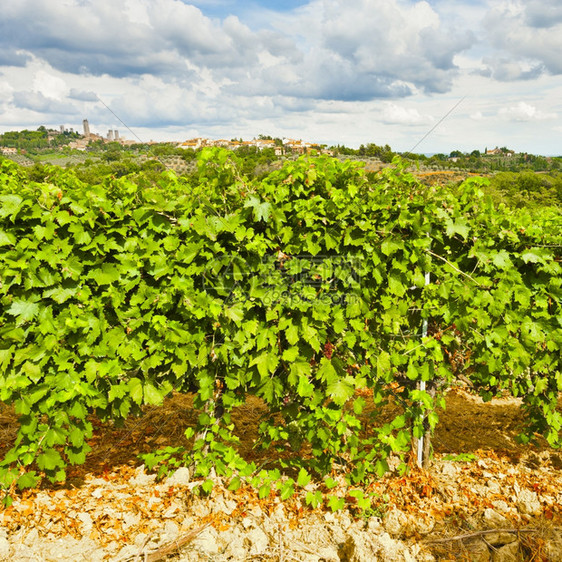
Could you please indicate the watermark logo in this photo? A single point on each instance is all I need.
(333, 279)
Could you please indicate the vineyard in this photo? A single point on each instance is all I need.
(347, 303)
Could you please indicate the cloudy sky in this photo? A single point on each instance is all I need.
(330, 71)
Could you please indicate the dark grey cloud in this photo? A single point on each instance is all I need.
(439, 49)
(126, 39)
(326, 75)
(543, 13)
(82, 96)
(36, 101)
(113, 64)
(13, 57)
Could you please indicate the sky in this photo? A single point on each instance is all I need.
(433, 76)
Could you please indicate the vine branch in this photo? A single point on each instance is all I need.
(453, 266)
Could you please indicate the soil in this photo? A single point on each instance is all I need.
(485, 497)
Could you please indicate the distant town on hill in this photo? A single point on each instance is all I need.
(47, 144)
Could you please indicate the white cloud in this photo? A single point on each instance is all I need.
(49, 85)
(136, 12)
(525, 32)
(396, 114)
(5, 89)
(333, 71)
(525, 112)
(507, 70)
(405, 42)
(331, 50)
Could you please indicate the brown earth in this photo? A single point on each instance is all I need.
(111, 509)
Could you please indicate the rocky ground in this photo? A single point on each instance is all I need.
(485, 498)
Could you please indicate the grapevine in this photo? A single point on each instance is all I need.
(304, 288)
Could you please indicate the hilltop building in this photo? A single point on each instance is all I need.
(498, 152)
(286, 146)
(112, 135)
(86, 128)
